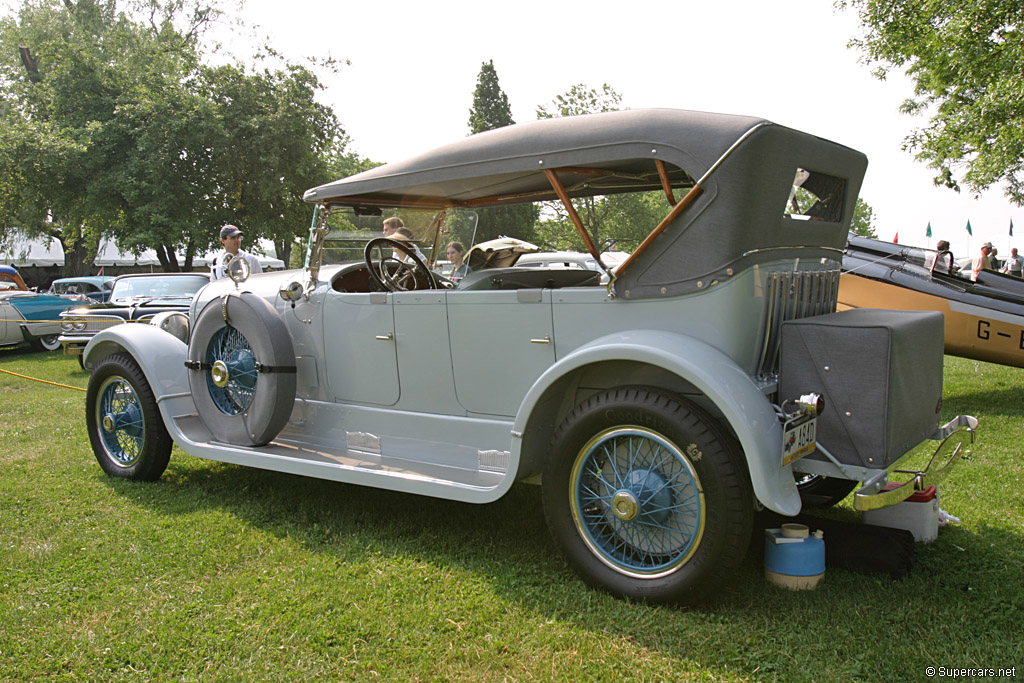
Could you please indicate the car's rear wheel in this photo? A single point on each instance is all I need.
(242, 370)
(48, 342)
(126, 431)
(647, 496)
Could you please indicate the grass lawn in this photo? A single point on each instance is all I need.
(221, 573)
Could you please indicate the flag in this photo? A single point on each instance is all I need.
(928, 232)
(897, 237)
(1011, 227)
(969, 228)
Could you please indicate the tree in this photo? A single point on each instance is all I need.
(113, 125)
(621, 220)
(967, 63)
(863, 220)
(580, 99)
(491, 110)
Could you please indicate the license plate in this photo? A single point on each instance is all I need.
(798, 438)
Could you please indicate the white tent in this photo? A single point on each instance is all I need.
(25, 252)
(42, 253)
(109, 255)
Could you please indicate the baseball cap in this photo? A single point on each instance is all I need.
(987, 245)
(229, 231)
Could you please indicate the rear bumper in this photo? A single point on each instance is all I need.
(955, 437)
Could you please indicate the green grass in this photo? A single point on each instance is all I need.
(222, 573)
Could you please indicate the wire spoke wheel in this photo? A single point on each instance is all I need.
(647, 496)
(636, 501)
(127, 434)
(120, 418)
(233, 377)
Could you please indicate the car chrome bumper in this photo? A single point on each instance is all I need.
(73, 346)
(955, 436)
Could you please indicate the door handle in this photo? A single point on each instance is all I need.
(545, 340)
(386, 337)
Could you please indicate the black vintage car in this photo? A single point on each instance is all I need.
(135, 298)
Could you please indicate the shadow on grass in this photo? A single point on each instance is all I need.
(851, 621)
(998, 401)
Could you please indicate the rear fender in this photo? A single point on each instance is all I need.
(742, 404)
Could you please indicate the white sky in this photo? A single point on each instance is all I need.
(414, 67)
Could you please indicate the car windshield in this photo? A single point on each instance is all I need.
(159, 286)
(349, 232)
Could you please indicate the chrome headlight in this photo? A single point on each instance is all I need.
(172, 322)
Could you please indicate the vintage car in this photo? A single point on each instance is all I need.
(136, 297)
(95, 288)
(984, 319)
(27, 316)
(657, 412)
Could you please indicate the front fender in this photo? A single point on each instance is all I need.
(745, 408)
(159, 354)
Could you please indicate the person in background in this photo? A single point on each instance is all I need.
(231, 238)
(983, 262)
(941, 259)
(996, 263)
(1014, 264)
(456, 253)
(391, 225)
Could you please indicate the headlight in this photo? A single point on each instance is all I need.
(172, 322)
(65, 326)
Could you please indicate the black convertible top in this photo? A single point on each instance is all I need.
(745, 167)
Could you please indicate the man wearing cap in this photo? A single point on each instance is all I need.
(983, 262)
(231, 238)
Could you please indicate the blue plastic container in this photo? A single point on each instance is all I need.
(793, 557)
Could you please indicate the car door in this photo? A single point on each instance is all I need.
(359, 347)
(501, 343)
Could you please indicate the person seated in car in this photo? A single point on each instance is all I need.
(391, 225)
(941, 259)
(456, 253)
(405, 236)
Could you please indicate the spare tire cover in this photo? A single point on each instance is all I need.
(241, 369)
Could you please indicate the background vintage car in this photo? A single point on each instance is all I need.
(656, 412)
(133, 298)
(95, 288)
(27, 316)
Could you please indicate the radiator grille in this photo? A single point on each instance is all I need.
(789, 296)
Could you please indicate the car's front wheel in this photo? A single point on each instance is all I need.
(126, 431)
(647, 496)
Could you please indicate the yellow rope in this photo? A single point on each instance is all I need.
(25, 320)
(43, 381)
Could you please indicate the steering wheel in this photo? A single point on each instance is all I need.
(392, 273)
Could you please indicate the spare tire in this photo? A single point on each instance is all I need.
(241, 369)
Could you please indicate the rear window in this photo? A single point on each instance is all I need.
(816, 197)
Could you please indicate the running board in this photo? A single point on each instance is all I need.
(353, 465)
